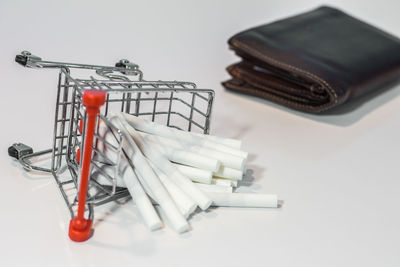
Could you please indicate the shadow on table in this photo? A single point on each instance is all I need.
(253, 172)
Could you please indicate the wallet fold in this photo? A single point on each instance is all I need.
(313, 61)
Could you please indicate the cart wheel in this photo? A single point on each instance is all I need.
(19, 150)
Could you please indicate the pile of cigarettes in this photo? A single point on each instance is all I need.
(181, 171)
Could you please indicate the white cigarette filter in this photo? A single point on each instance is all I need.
(185, 204)
(228, 173)
(147, 175)
(195, 174)
(234, 143)
(226, 159)
(243, 200)
(182, 136)
(143, 203)
(214, 188)
(186, 157)
(157, 157)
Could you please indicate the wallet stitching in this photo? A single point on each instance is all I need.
(238, 72)
(257, 84)
(259, 81)
(254, 64)
(330, 89)
(271, 96)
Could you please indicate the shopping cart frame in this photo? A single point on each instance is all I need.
(125, 88)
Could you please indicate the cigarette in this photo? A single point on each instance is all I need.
(159, 160)
(212, 142)
(243, 200)
(185, 204)
(228, 173)
(143, 203)
(226, 159)
(227, 149)
(234, 143)
(186, 157)
(223, 182)
(214, 188)
(195, 174)
(146, 174)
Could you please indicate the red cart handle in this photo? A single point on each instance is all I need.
(80, 227)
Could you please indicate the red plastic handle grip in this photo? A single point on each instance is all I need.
(80, 227)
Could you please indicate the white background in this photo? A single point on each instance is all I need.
(337, 173)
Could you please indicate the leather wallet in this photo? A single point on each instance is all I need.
(313, 61)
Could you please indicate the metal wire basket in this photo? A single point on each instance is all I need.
(173, 103)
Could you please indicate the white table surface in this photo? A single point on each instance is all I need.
(338, 173)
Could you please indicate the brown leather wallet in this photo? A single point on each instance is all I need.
(313, 61)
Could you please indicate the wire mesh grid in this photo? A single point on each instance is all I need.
(176, 104)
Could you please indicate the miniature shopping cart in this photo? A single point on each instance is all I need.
(81, 139)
